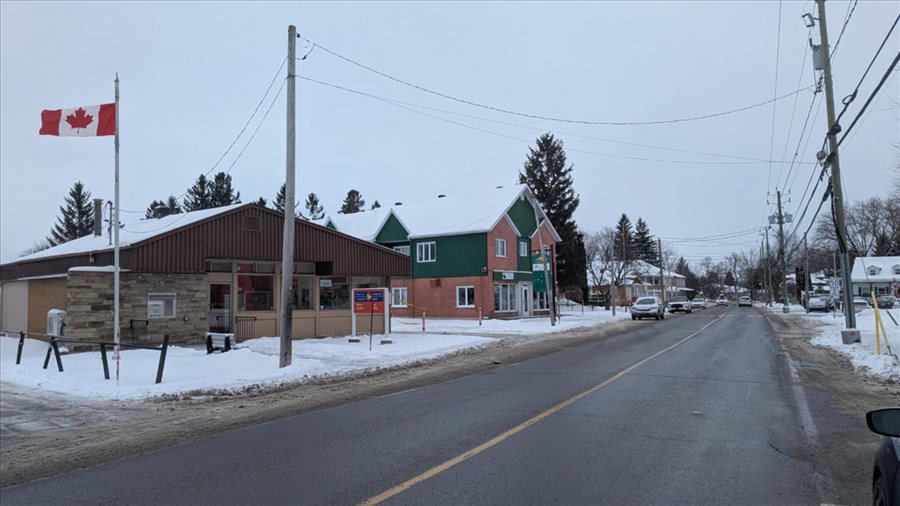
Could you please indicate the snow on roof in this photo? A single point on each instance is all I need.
(130, 233)
(646, 268)
(884, 269)
(363, 225)
(470, 213)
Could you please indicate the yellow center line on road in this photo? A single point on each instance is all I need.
(434, 471)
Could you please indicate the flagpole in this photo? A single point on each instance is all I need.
(116, 249)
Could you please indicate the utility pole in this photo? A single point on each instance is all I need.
(287, 250)
(612, 272)
(551, 305)
(662, 272)
(784, 293)
(806, 275)
(837, 192)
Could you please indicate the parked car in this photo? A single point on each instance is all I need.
(679, 303)
(648, 307)
(859, 304)
(699, 303)
(820, 304)
(886, 301)
(745, 301)
(722, 301)
(886, 465)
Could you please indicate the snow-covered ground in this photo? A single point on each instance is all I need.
(862, 355)
(255, 362)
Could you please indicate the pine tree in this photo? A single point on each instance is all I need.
(279, 200)
(77, 216)
(623, 240)
(261, 202)
(316, 211)
(376, 205)
(546, 174)
(644, 246)
(221, 192)
(198, 196)
(353, 203)
(159, 208)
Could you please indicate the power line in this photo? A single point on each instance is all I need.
(548, 118)
(246, 124)
(404, 105)
(850, 98)
(266, 115)
(793, 114)
(869, 100)
(850, 10)
(713, 237)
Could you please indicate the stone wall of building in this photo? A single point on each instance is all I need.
(90, 305)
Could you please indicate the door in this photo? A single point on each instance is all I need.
(219, 319)
(525, 297)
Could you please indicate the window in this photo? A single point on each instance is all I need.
(302, 292)
(897, 270)
(505, 298)
(402, 249)
(398, 297)
(334, 293)
(160, 305)
(539, 300)
(523, 249)
(465, 296)
(500, 247)
(255, 293)
(426, 252)
(873, 271)
(368, 282)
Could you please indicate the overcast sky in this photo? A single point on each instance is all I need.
(192, 73)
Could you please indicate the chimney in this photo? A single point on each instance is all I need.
(398, 203)
(98, 217)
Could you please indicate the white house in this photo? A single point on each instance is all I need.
(876, 274)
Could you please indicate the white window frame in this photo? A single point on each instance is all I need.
(523, 249)
(897, 270)
(398, 296)
(500, 247)
(168, 304)
(873, 271)
(402, 249)
(426, 252)
(465, 292)
(509, 303)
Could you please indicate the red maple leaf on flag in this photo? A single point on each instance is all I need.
(79, 119)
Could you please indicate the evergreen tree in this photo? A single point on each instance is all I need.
(261, 202)
(221, 192)
(316, 211)
(77, 216)
(644, 246)
(376, 205)
(279, 200)
(198, 196)
(160, 208)
(623, 240)
(550, 179)
(353, 203)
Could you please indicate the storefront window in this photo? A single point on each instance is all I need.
(334, 293)
(255, 293)
(302, 292)
(504, 297)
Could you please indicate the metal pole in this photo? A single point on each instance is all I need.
(784, 292)
(116, 338)
(768, 269)
(662, 272)
(287, 251)
(837, 191)
(612, 272)
(806, 276)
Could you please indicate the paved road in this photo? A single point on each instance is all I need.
(699, 408)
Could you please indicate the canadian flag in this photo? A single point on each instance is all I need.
(87, 121)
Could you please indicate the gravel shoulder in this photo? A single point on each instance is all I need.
(87, 434)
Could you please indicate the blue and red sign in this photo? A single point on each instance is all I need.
(368, 300)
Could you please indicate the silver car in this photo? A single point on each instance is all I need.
(648, 307)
